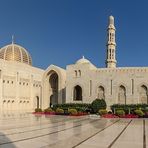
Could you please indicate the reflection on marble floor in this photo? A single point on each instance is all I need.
(25, 130)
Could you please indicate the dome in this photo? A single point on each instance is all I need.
(82, 61)
(14, 52)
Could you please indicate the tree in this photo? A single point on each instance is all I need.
(98, 104)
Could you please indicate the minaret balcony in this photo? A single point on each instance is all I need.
(111, 43)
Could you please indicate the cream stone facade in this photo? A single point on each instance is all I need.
(20, 83)
(24, 87)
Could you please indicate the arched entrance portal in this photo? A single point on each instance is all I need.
(53, 88)
(54, 81)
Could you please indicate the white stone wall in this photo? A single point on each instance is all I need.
(20, 84)
(83, 81)
(110, 78)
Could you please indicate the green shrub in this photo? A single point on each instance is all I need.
(145, 110)
(38, 110)
(59, 110)
(98, 104)
(48, 110)
(72, 111)
(120, 112)
(103, 111)
(81, 109)
(139, 112)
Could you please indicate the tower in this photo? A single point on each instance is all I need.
(111, 44)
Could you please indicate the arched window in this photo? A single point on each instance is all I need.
(110, 53)
(110, 37)
(122, 95)
(77, 93)
(79, 73)
(143, 94)
(101, 92)
(75, 73)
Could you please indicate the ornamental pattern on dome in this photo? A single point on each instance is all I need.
(14, 52)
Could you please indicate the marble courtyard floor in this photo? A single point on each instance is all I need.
(25, 130)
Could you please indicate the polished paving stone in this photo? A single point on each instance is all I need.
(25, 130)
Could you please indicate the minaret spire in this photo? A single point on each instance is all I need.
(111, 44)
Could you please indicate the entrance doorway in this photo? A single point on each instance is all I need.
(77, 95)
(53, 88)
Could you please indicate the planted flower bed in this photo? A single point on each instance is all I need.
(115, 116)
(130, 110)
(98, 106)
(60, 111)
(127, 111)
(109, 116)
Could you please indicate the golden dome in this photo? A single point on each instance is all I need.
(14, 52)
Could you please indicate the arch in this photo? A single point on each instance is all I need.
(143, 94)
(77, 93)
(122, 95)
(53, 88)
(101, 92)
(54, 80)
(60, 72)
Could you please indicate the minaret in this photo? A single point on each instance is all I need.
(111, 44)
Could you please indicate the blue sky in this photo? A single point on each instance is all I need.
(61, 31)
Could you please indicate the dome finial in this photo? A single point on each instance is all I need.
(12, 39)
(83, 57)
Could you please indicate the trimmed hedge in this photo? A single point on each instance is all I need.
(120, 113)
(38, 110)
(59, 110)
(48, 110)
(72, 111)
(78, 106)
(129, 108)
(139, 112)
(102, 112)
(72, 105)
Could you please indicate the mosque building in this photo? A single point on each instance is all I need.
(25, 87)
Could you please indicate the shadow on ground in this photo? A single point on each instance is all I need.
(5, 142)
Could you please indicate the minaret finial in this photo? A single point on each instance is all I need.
(12, 39)
(111, 20)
